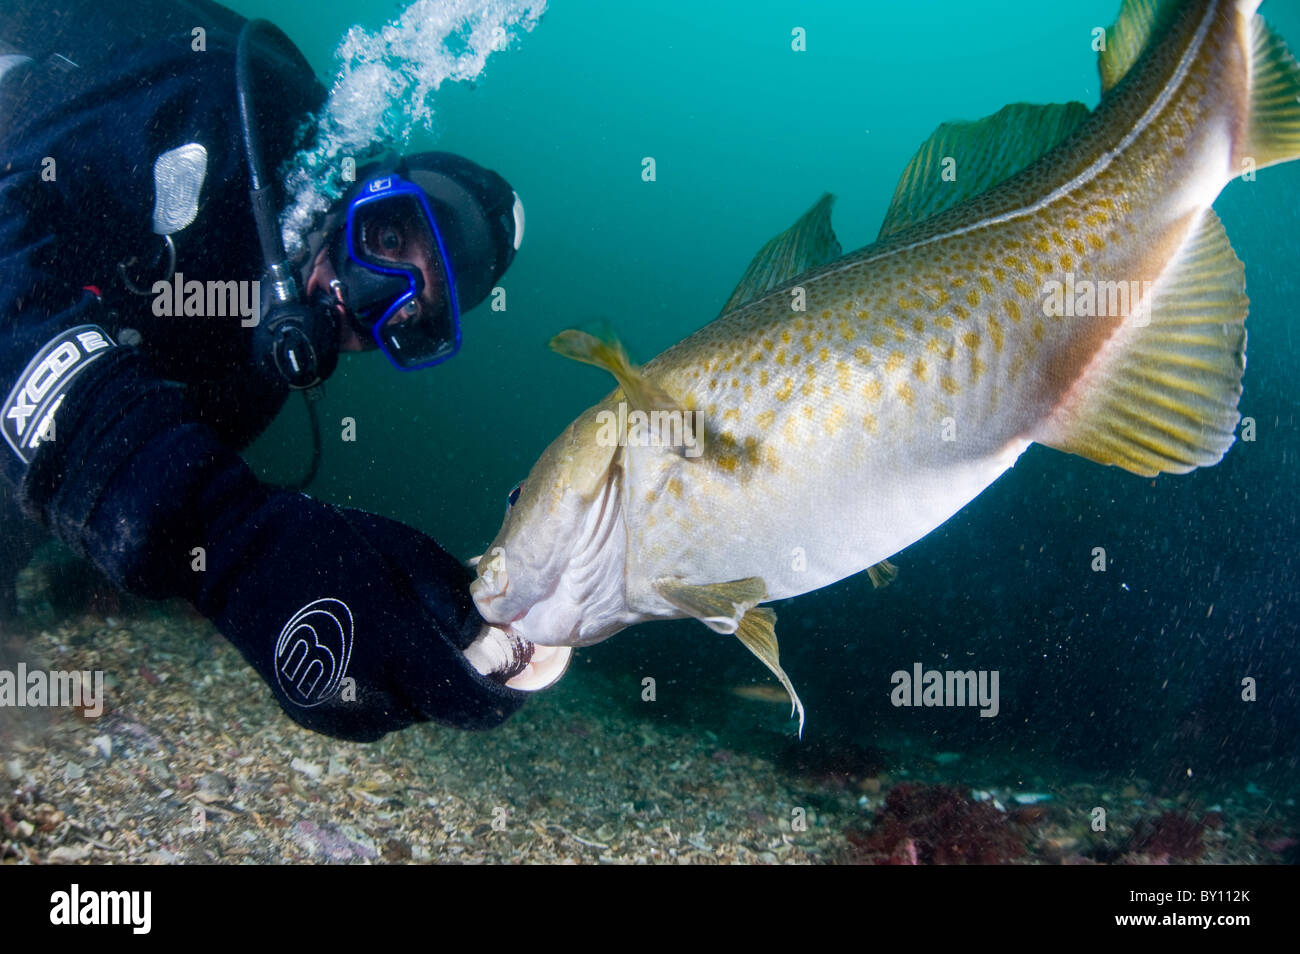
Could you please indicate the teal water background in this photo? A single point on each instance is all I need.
(746, 134)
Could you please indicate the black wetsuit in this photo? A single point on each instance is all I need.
(356, 622)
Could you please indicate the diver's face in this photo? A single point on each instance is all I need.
(405, 240)
(417, 248)
(321, 278)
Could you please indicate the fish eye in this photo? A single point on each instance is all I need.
(512, 498)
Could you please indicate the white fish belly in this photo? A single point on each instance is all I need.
(820, 518)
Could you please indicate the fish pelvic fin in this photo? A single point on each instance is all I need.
(719, 606)
(732, 608)
(758, 633)
(1273, 130)
(1161, 395)
(664, 416)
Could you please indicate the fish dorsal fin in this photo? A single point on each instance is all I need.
(1127, 37)
(669, 425)
(1274, 100)
(962, 159)
(805, 245)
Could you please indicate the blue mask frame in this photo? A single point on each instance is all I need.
(390, 287)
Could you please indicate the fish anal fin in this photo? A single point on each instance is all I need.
(719, 606)
(758, 633)
(808, 243)
(1161, 395)
(979, 154)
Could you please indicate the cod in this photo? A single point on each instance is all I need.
(1048, 274)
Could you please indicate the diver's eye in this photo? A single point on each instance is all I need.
(385, 239)
(512, 498)
(390, 240)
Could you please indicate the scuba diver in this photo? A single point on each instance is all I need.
(134, 144)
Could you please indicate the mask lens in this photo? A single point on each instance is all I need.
(392, 231)
(411, 306)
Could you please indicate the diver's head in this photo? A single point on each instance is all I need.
(412, 245)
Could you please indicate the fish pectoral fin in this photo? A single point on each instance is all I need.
(882, 574)
(758, 632)
(1162, 395)
(666, 422)
(808, 243)
(719, 606)
(962, 159)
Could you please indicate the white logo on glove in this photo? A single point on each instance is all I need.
(311, 655)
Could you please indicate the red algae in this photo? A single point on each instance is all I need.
(1173, 835)
(936, 825)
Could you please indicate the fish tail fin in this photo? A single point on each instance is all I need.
(1273, 129)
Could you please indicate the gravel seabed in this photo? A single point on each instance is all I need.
(193, 762)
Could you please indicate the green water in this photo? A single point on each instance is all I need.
(746, 133)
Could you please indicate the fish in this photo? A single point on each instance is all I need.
(1049, 274)
(760, 693)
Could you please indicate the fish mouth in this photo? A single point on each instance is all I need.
(517, 663)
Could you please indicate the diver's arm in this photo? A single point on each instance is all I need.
(128, 477)
(356, 622)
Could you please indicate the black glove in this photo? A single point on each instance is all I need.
(356, 622)
(379, 612)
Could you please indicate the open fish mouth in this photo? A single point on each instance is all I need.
(517, 663)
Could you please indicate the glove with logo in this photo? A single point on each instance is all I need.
(356, 622)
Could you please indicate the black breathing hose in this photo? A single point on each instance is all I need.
(264, 214)
(262, 192)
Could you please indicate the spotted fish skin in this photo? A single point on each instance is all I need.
(829, 425)
(846, 412)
